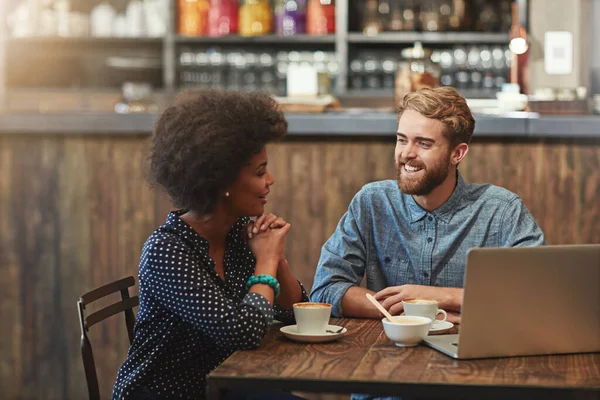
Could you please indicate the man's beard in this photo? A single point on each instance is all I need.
(431, 178)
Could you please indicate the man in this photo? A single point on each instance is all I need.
(410, 238)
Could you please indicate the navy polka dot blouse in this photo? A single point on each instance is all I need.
(190, 320)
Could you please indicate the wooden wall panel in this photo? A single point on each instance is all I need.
(75, 255)
(589, 188)
(76, 210)
(10, 361)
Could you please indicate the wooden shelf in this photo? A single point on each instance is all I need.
(430, 37)
(92, 41)
(273, 39)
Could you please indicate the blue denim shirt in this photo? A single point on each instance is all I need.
(388, 237)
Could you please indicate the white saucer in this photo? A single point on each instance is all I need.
(440, 326)
(291, 331)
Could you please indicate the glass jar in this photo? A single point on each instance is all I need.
(372, 23)
(416, 71)
(388, 68)
(429, 15)
(256, 18)
(250, 77)
(290, 17)
(267, 80)
(409, 12)
(356, 74)
(193, 17)
(372, 66)
(223, 17)
(320, 15)
(236, 69)
(136, 98)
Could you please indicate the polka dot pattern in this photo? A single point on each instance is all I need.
(190, 320)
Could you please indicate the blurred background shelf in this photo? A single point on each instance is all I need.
(469, 44)
(429, 37)
(92, 41)
(267, 39)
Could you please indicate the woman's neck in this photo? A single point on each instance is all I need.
(214, 226)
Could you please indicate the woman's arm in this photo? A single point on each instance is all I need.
(187, 289)
(291, 291)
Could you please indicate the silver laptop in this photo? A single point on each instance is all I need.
(528, 301)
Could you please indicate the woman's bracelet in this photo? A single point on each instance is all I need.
(266, 280)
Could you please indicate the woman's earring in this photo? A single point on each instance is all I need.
(226, 194)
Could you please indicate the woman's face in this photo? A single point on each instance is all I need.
(248, 194)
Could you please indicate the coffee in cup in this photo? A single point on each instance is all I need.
(312, 318)
(423, 308)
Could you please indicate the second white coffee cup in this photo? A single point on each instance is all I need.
(423, 308)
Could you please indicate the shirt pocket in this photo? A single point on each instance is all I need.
(452, 275)
(397, 271)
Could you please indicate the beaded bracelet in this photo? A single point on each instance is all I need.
(264, 279)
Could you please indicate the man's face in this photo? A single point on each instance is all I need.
(422, 154)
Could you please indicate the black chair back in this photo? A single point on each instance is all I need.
(126, 306)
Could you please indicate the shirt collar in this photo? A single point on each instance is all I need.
(416, 212)
(186, 232)
(175, 222)
(446, 210)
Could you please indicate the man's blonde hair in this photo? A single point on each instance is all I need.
(446, 105)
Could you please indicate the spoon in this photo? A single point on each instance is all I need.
(380, 307)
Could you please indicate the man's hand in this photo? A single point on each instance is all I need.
(449, 299)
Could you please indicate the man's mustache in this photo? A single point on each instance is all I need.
(412, 163)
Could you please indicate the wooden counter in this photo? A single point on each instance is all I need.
(75, 210)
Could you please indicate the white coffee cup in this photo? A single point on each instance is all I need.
(312, 318)
(406, 331)
(423, 308)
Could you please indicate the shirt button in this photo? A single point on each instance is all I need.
(429, 240)
(430, 218)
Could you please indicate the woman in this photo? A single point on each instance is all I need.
(201, 297)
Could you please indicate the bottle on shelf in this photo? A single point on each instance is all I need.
(409, 15)
(320, 17)
(255, 18)
(223, 17)
(487, 17)
(193, 17)
(290, 17)
(434, 15)
(372, 23)
(396, 22)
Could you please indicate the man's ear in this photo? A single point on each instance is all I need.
(459, 152)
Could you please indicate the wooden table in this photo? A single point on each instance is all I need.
(366, 361)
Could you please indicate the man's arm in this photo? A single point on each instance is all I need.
(341, 266)
(355, 303)
(518, 227)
